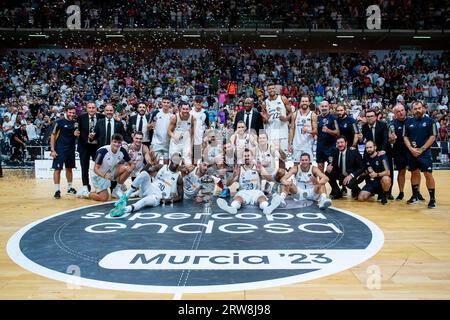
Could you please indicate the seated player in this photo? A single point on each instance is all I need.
(192, 183)
(156, 183)
(378, 179)
(309, 183)
(249, 177)
(112, 163)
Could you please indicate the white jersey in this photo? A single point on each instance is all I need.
(150, 186)
(166, 181)
(183, 130)
(137, 156)
(249, 179)
(276, 129)
(240, 144)
(200, 127)
(267, 158)
(109, 160)
(302, 179)
(301, 140)
(160, 135)
(191, 184)
(212, 152)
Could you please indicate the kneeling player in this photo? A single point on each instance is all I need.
(250, 192)
(309, 183)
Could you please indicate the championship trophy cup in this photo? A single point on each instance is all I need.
(207, 190)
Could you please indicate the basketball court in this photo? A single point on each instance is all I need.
(70, 249)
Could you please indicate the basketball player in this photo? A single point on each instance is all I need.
(302, 131)
(249, 177)
(139, 153)
(192, 182)
(309, 183)
(155, 184)
(181, 132)
(202, 124)
(327, 132)
(276, 113)
(159, 123)
(112, 163)
(242, 139)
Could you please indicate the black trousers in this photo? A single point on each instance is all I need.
(87, 153)
(335, 176)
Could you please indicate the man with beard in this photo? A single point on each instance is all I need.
(309, 183)
(140, 122)
(378, 179)
(398, 149)
(327, 131)
(276, 112)
(160, 121)
(155, 183)
(302, 131)
(346, 167)
(347, 126)
(181, 131)
(419, 134)
(249, 177)
(62, 146)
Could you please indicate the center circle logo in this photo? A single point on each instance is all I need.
(180, 249)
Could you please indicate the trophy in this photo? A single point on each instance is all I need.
(207, 189)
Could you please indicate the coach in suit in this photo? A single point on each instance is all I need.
(87, 146)
(140, 122)
(106, 127)
(378, 132)
(346, 166)
(251, 117)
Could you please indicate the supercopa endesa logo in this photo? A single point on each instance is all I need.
(180, 249)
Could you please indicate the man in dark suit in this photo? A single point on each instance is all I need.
(140, 122)
(378, 132)
(346, 166)
(87, 146)
(106, 127)
(251, 117)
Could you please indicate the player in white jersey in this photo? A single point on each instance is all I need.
(159, 123)
(155, 184)
(112, 163)
(276, 112)
(271, 160)
(139, 153)
(249, 177)
(242, 139)
(202, 124)
(192, 180)
(181, 132)
(309, 183)
(302, 130)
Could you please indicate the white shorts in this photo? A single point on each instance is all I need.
(184, 149)
(100, 183)
(307, 194)
(161, 151)
(250, 196)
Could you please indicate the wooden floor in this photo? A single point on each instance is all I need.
(414, 261)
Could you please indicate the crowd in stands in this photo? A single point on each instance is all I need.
(314, 14)
(36, 87)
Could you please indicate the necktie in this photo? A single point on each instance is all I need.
(373, 133)
(140, 124)
(108, 132)
(247, 121)
(91, 124)
(342, 161)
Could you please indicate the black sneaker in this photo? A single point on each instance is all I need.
(72, 191)
(384, 200)
(432, 204)
(57, 195)
(419, 197)
(400, 196)
(412, 200)
(344, 190)
(390, 196)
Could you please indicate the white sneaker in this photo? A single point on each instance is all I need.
(83, 193)
(123, 188)
(222, 203)
(324, 203)
(116, 193)
(276, 201)
(283, 203)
